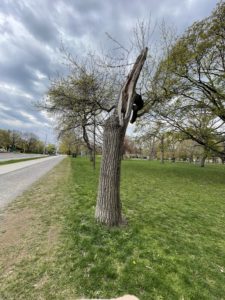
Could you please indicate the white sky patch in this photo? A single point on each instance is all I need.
(15, 27)
(40, 75)
(15, 123)
(130, 129)
(47, 116)
(3, 107)
(35, 121)
(4, 23)
(13, 90)
(176, 12)
(172, 10)
(30, 117)
(190, 3)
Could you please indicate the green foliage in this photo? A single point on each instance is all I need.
(172, 248)
(79, 99)
(4, 139)
(194, 66)
(190, 82)
(13, 140)
(70, 143)
(50, 149)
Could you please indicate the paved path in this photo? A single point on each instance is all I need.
(23, 164)
(17, 177)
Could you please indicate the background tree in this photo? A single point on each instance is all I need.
(70, 143)
(80, 100)
(190, 79)
(31, 141)
(129, 147)
(51, 149)
(4, 139)
(13, 140)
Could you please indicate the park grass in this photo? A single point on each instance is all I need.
(172, 248)
(12, 161)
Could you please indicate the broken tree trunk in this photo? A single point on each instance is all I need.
(109, 208)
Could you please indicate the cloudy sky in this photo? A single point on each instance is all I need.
(31, 33)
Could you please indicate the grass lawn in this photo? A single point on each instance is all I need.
(172, 248)
(12, 161)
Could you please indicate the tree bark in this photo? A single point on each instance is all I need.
(109, 208)
(152, 153)
(88, 144)
(191, 159)
(162, 149)
(202, 161)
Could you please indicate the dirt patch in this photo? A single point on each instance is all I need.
(14, 232)
(18, 235)
(53, 234)
(14, 226)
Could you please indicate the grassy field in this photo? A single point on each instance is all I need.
(172, 248)
(12, 161)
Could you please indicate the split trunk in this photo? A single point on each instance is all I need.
(109, 208)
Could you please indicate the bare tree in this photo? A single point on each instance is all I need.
(96, 94)
(109, 208)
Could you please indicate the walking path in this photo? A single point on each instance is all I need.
(23, 164)
(16, 178)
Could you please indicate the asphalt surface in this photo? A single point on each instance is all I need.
(13, 182)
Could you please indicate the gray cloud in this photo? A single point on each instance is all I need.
(31, 32)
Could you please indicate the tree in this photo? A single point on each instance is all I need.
(30, 142)
(103, 106)
(79, 100)
(109, 209)
(51, 149)
(15, 140)
(129, 146)
(190, 79)
(198, 125)
(39, 147)
(4, 139)
(70, 143)
(154, 132)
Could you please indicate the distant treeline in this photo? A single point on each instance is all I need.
(26, 142)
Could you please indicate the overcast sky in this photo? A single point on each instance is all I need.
(31, 32)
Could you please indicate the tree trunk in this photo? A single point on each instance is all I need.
(162, 149)
(94, 146)
(202, 161)
(90, 148)
(222, 159)
(91, 155)
(152, 150)
(109, 208)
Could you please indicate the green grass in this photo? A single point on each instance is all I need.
(12, 161)
(172, 248)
